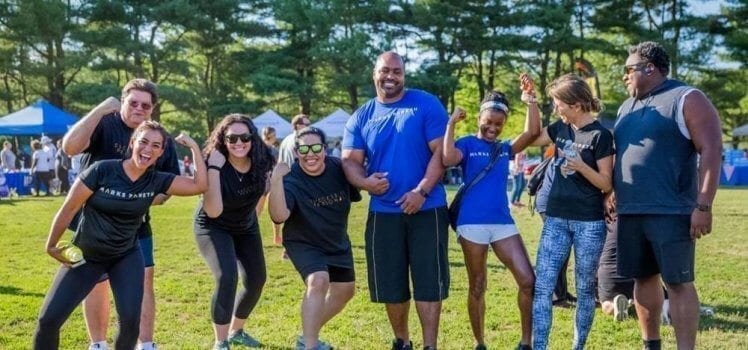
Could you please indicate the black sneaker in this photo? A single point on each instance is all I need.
(524, 347)
(399, 344)
(429, 348)
(481, 347)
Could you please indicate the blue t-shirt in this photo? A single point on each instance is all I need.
(485, 202)
(395, 139)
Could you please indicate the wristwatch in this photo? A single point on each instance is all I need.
(423, 193)
(704, 207)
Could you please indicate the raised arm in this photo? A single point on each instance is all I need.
(78, 195)
(78, 138)
(277, 198)
(450, 154)
(212, 199)
(190, 186)
(532, 118)
(702, 121)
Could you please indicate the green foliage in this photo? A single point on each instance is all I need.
(184, 286)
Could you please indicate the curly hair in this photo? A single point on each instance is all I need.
(654, 53)
(572, 89)
(260, 155)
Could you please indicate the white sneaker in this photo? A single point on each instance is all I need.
(102, 345)
(665, 314)
(147, 346)
(620, 307)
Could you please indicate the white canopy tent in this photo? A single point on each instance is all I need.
(740, 131)
(334, 124)
(270, 118)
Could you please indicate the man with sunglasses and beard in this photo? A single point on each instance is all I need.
(104, 133)
(668, 147)
(392, 149)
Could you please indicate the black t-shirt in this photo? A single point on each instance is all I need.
(574, 197)
(319, 207)
(240, 197)
(111, 217)
(111, 140)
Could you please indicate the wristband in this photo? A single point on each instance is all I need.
(216, 167)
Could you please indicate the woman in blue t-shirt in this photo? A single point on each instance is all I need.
(574, 213)
(226, 225)
(484, 220)
(113, 196)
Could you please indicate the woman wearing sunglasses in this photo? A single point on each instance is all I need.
(314, 198)
(226, 225)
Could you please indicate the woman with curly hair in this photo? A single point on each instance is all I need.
(226, 225)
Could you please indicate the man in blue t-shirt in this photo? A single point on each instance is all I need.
(104, 133)
(391, 148)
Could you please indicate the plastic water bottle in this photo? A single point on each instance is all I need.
(71, 253)
(569, 152)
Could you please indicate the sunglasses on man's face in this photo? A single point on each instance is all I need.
(233, 138)
(143, 105)
(628, 69)
(315, 148)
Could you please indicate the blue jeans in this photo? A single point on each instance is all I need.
(588, 238)
(519, 186)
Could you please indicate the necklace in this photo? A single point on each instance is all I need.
(239, 175)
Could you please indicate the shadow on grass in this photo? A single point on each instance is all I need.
(720, 319)
(18, 291)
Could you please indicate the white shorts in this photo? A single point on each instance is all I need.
(486, 234)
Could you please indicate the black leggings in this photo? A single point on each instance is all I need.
(70, 287)
(225, 253)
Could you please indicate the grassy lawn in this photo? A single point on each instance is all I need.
(184, 286)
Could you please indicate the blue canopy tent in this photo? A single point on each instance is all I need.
(40, 118)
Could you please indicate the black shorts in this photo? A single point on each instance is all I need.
(308, 259)
(652, 244)
(609, 282)
(399, 246)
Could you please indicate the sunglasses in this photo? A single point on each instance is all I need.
(145, 106)
(628, 69)
(233, 138)
(315, 148)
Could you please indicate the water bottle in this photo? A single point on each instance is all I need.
(71, 253)
(569, 152)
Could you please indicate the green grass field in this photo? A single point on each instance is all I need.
(184, 286)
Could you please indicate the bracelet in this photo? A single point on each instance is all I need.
(216, 167)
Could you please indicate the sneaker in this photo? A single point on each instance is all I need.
(481, 347)
(240, 337)
(224, 345)
(147, 346)
(521, 346)
(321, 344)
(620, 307)
(665, 314)
(399, 344)
(102, 345)
(706, 311)
(429, 348)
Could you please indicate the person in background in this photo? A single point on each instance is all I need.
(40, 170)
(518, 179)
(583, 175)
(7, 157)
(104, 133)
(226, 227)
(187, 164)
(561, 295)
(112, 197)
(668, 146)
(62, 165)
(286, 152)
(484, 222)
(271, 141)
(314, 199)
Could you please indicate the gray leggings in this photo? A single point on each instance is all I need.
(227, 255)
(71, 286)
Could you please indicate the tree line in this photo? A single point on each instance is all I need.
(211, 58)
